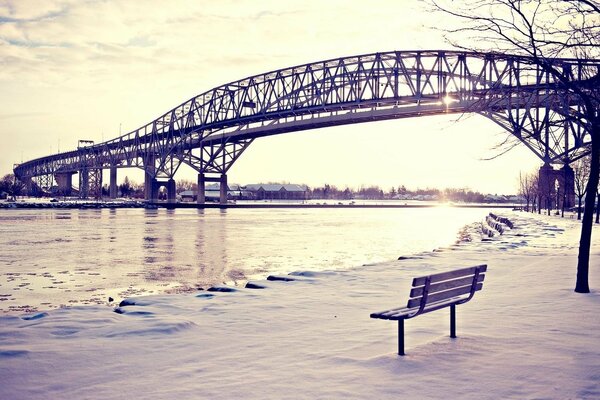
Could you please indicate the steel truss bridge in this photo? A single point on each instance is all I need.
(211, 131)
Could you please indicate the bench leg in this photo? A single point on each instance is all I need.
(401, 337)
(453, 321)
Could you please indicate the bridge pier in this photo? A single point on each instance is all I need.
(64, 181)
(112, 191)
(561, 195)
(201, 197)
(153, 186)
(149, 182)
(223, 189)
(222, 180)
(171, 191)
(547, 180)
(566, 186)
(29, 187)
(90, 183)
(152, 189)
(84, 183)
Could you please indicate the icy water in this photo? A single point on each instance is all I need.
(57, 258)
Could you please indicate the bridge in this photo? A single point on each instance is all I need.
(209, 132)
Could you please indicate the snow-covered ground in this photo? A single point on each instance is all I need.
(526, 335)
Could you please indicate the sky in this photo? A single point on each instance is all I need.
(72, 70)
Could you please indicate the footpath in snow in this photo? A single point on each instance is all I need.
(527, 335)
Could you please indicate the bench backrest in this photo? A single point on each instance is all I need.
(446, 286)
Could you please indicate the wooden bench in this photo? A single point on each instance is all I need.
(433, 292)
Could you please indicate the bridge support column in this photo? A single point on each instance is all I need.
(90, 183)
(223, 189)
(112, 191)
(201, 197)
(29, 187)
(153, 190)
(561, 195)
(84, 183)
(171, 191)
(566, 186)
(64, 181)
(149, 181)
(547, 187)
(148, 185)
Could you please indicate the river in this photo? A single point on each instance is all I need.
(56, 258)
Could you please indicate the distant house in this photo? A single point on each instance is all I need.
(188, 195)
(494, 198)
(212, 192)
(277, 191)
(236, 192)
(515, 199)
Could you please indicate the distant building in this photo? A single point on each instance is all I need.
(277, 191)
(494, 198)
(188, 195)
(212, 192)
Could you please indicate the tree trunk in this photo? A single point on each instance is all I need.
(583, 260)
(598, 209)
(579, 208)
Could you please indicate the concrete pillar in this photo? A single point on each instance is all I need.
(148, 185)
(84, 183)
(29, 187)
(154, 189)
(112, 190)
(149, 177)
(201, 198)
(566, 182)
(171, 191)
(65, 183)
(223, 189)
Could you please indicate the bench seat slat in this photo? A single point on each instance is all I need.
(439, 296)
(395, 313)
(444, 276)
(445, 285)
(401, 313)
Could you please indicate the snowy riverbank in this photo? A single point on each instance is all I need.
(526, 335)
(70, 204)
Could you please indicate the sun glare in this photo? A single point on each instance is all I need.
(447, 100)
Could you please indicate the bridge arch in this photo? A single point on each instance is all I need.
(209, 132)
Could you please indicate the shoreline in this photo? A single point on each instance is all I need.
(356, 205)
(259, 205)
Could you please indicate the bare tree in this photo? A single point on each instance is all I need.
(582, 173)
(11, 185)
(125, 187)
(544, 30)
(528, 189)
(534, 181)
(546, 190)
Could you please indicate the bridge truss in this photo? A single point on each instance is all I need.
(211, 131)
